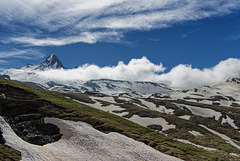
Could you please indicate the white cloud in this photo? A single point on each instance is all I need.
(187, 77)
(3, 62)
(183, 76)
(55, 22)
(85, 37)
(136, 69)
(23, 54)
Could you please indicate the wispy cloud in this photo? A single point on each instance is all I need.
(3, 62)
(22, 54)
(61, 22)
(85, 37)
(186, 35)
(183, 76)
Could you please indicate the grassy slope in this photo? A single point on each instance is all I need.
(107, 122)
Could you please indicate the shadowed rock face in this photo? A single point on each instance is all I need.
(34, 130)
(1, 138)
(234, 80)
(51, 62)
(21, 110)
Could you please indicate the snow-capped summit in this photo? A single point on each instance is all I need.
(51, 62)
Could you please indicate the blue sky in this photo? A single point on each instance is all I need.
(202, 43)
(200, 33)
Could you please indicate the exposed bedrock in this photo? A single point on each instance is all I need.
(22, 110)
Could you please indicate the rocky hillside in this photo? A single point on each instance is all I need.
(22, 105)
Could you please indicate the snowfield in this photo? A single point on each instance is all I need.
(146, 121)
(81, 141)
(204, 112)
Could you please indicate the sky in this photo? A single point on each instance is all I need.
(179, 39)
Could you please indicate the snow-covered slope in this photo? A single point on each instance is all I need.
(226, 94)
(81, 141)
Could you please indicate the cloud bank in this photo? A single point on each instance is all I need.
(61, 22)
(182, 76)
(136, 69)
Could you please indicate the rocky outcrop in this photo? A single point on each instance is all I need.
(22, 110)
(51, 62)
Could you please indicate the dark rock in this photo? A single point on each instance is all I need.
(231, 98)
(155, 127)
(216, 104)
(51, 62)
(23, 112)
(234, 80)
(218, 98)
(28, 117)
(35, 131)
(5, 76)
(185, 91)
(29, 65)
(1, 138)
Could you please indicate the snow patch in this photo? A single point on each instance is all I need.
(124, 99)
(81, 141)
(153, 107)
(234, 154)
(145, 121)
(224, 137)
(204, 112)
(185, 117)
(230, 122)
(195, 133)
(111, 108)
(198, 146)
(3, 95)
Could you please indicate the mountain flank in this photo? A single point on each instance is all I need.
(50, 105)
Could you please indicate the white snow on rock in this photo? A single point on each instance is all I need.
(208, 113)
(198, 146)
(230, 122)
(81, 141)
(234, 154)
(124, 98)
(224, 137)
(185, 117)
(3, 95)
(106, 99)
(204, 112)
(153, 107)
(195, 133)
(145, 121)
(111, 108)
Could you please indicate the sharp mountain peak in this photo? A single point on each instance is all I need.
(51, 62)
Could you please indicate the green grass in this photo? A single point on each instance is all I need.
(50, 105)
(8, 154)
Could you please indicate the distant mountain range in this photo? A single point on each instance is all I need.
(28, 74)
